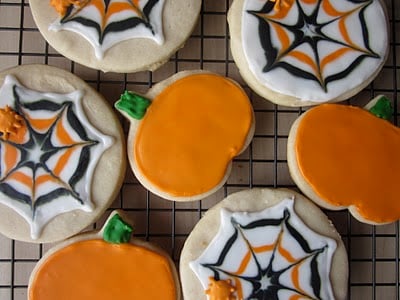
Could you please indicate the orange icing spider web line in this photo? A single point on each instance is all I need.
(333, 12)
(282, 5)
(41, 124)
(22, 178)
(305, 58)
(113, 8)
(283, 39)
(11, 157)
(345, 34)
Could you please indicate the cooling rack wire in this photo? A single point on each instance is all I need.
(373, 251)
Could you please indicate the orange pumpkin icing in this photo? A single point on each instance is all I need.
(95, 269)
(191, 132)
(351, 158)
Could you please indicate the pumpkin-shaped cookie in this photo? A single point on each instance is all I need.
(105, 265)
(346, 157)
(182, 141)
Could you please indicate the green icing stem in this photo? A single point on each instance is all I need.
(382, 108)
(117, 231)
(133, 104)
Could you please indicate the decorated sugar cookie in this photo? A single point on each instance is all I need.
(54, 152)
(185, 132)
(264, 244)
(346, 157)
(305, 52)
(108, 264)
(116, 35)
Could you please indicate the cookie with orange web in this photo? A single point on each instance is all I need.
(116, 35)
(61, 165)
(306, 52)
(264, 244)
(107, 264)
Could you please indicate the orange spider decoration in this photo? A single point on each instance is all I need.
(279, 4)
(61, 6)
(10, 122)
(221, 289)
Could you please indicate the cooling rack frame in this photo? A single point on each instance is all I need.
(373, 251)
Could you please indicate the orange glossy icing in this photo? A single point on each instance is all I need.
(350, 157)
(330, 10)
(191, 132)
(11, 157)
(95, 269)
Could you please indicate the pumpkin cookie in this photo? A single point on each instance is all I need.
(118, 36)
(305, 52)
(108, 264)
(61, 164)
(346, 157)
(264, 244)
(185, 132)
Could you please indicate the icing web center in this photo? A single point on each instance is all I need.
(35, 153)
(310, 30)
(265, 282)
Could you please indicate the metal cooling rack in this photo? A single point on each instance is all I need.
(373, 251)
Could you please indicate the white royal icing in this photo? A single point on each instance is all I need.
(279, 79)
(40, 152)
(149, 28)
(264, 242)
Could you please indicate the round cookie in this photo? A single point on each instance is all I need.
(344, 156)
(108, 264)
(181, 142)
(117, 36)
(264, 244)
(62, 154)
(306, 52)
